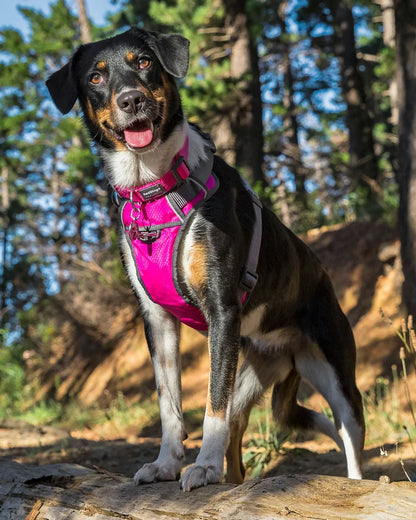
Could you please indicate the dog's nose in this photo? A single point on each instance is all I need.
(131, 101)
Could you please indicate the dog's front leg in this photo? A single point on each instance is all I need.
(224, 338)
(162, 334)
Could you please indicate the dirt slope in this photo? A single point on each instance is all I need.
(97, 348)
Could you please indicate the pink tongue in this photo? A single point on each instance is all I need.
(138, 135)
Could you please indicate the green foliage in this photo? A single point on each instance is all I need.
(266, 442)
(11, 377)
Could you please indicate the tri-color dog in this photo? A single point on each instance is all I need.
(198, 248)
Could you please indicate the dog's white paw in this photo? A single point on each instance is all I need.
(156, 472)
(197, 476)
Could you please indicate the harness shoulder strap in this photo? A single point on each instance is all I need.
(249, 276)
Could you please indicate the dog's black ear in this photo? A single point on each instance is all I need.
(172, 51)
(63, 88)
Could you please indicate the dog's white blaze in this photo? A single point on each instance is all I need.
(128, 168)
(314, 368)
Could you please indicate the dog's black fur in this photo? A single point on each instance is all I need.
(292, 326)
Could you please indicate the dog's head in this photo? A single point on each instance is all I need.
(126, 87)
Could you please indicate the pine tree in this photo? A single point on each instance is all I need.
(46, 165)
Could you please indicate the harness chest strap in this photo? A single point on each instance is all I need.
(168, 211)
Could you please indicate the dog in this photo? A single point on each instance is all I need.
(235, 271)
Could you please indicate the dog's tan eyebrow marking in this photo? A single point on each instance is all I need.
(130, 56)
(101, 65)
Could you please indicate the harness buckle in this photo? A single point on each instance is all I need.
(248, 280)
(147, 236)
(180, 170)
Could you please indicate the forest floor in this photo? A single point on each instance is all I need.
(30, 444)
(363, 262)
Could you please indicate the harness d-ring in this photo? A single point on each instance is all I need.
(134, 213)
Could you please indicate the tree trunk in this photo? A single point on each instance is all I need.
(290, 122)
(84, 22)
(405, 12)
(239, 134)
(4, 213)
(363, 160)
(62, 491)
(389, 35)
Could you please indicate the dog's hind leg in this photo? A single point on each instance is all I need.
(257, 373)
(345, 402)
(330, 367)
(328, 363)
(287, 411)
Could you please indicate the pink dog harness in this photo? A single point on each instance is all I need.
(153, 218)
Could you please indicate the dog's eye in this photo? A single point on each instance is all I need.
(96, 78)
(144, 63)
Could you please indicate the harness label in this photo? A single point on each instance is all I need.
(152, 191)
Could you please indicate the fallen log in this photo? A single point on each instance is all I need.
(72, 492)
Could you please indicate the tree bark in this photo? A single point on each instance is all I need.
(290, 120)
(62, 491)
(4, 213)
(363, 161)
(84, 22)
(239, 135)
(405, 12)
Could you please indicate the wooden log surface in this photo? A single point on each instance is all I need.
(72, 492)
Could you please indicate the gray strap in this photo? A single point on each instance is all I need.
(249, 277)
(195, 183)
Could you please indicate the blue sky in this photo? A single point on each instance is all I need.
(10, 16)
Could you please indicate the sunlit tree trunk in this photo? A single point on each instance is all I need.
(290, 121)
(84, 22)
(239, 134)
(4, 214)
(389, 40)
(363, 160)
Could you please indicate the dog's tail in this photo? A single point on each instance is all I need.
(288, 412)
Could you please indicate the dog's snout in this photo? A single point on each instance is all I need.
(131, 101)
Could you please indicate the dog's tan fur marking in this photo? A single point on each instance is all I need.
(103, 117)
(130, 57)
(101, 65)
(159, 95)
(90, 110)
(197, 273)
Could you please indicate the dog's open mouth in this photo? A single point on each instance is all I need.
(139, 134)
